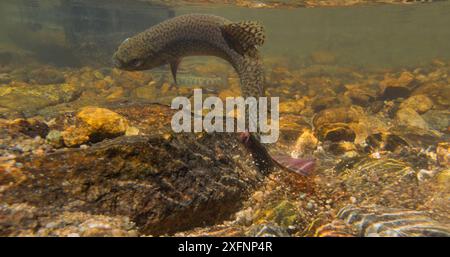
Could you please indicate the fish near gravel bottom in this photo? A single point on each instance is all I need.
(209, 35)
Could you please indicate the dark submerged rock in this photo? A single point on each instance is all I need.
(163, 183)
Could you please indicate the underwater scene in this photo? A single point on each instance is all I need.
(88, 144)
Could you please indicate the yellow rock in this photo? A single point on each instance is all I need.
(101, 84)
(285, 214)
(148, 92)
(339, 115)
(132, 131)
(419, 103)
(306, 143)
(292, 106)
(98, 75)
(443, 179)
(165, 88)
(116, 93)
(335, 132)
(409, 117)
(443, 154)
(403, 80)
(343, 147)
(73, 136)
(103, 121)
(108, 79)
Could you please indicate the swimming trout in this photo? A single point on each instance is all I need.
(200, 34)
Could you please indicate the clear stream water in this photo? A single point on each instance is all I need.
(68, 32)
(376, 117)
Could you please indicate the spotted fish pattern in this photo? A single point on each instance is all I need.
(195, 35)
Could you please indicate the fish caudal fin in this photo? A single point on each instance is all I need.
(300, 166)
(244, 36)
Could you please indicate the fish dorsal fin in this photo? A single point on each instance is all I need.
(244, 36)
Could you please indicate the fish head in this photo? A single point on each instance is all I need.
(135, 54)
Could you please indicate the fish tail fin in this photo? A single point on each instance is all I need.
(303, 167)
(244, 36)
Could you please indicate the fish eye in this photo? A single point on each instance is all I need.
(135, 63)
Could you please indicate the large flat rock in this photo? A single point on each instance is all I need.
(164, 182)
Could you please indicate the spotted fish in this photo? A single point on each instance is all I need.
(204, 35)
(193, 35)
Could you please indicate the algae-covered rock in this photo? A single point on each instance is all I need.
(438, 120)
(267, 230)
(409, 117)
(147, 92)
(284, 214)
(162, 184)
(54, 137)
(46, 76)
(29, 99)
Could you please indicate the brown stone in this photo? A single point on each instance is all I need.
(419, 103)
(335, 132)
(443, 154)
(409, 117)
(163, 185)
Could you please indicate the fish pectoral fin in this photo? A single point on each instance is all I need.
(244, 36)
(173, 68)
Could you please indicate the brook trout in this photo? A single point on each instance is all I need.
(200, 34)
